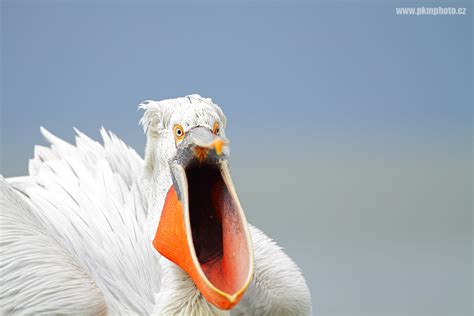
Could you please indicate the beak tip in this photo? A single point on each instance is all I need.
(228, 303)
(233, 299)
(218, 144)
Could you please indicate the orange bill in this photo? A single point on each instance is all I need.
(203, 230)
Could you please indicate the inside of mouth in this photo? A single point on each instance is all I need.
(217, 229)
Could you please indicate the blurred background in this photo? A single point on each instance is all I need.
(350, 126)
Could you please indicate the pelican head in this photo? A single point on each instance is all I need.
(202, 227)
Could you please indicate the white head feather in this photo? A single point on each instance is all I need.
(161, 116)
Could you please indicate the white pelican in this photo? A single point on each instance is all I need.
(83, 232)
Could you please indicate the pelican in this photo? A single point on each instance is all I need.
(96, 229)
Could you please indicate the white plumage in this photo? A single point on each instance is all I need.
(75, 234)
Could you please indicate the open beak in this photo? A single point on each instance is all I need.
(203, 228)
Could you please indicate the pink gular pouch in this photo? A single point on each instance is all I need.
(203, 228)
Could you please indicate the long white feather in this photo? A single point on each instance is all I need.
(91, 198)
(38, 275)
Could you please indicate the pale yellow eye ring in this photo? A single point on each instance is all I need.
(178, 132)
(216, 129)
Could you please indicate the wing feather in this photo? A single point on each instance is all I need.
(33, 263)
(91, 197)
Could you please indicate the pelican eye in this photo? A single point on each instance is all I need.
(178, 132)
(216, 129)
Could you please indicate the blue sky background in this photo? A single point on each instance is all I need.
(351, 127)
